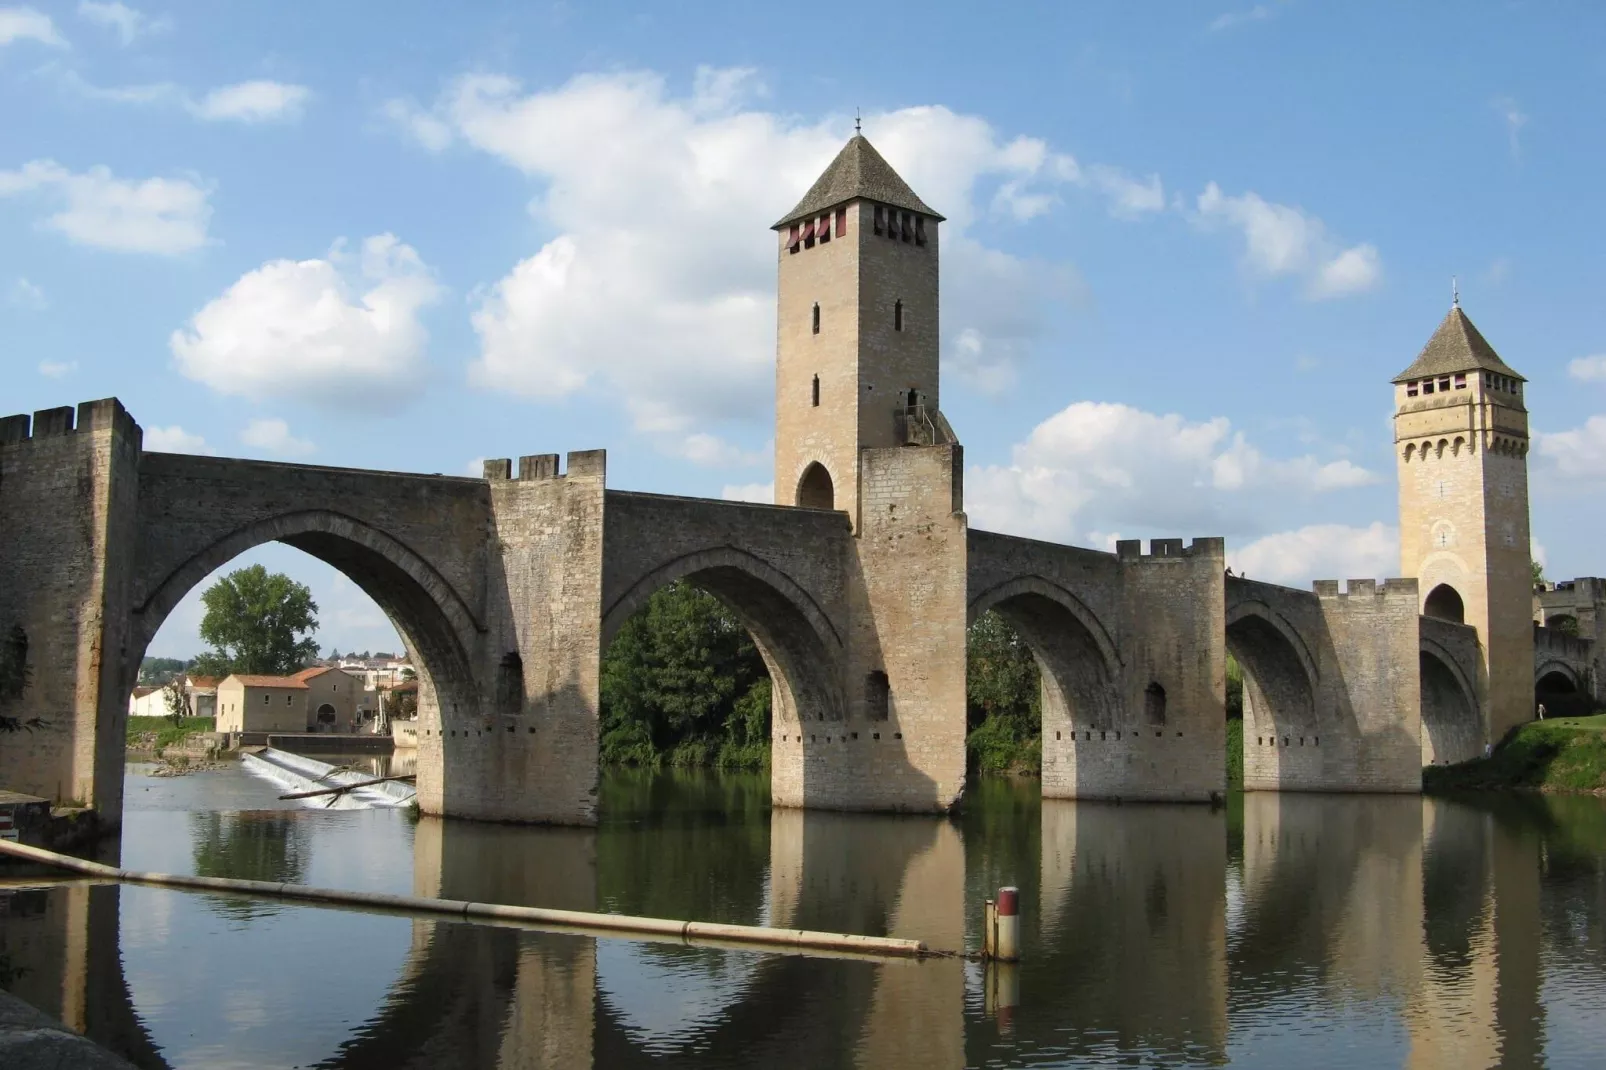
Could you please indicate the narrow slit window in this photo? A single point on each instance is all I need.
(877, 696)
(1154, 704)
(841, 222)
(897, 315)
(791, 239)
(920, 230)
(880, 219)
(816, 391)
(824, 229)
(816, 317)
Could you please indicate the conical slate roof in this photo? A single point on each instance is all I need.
(1455, 347)
(858, 171)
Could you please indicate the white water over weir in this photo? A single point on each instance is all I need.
(296, 773)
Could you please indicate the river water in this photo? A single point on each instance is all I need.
(1308, 931)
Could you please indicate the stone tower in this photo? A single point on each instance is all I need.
(1461, 443)
(856, 355)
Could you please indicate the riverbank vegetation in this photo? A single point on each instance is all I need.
(155, 734)
(1564, 754)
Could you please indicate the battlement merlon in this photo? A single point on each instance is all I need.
(1395, 587)
(1208, 547)
(590, 465)
(104, 414)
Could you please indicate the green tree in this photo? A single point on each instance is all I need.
(683, 679)
(1004, 712)
(1538, 572)
(257, 622)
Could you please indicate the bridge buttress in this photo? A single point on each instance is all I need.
(68, 498)
(1373, 684)
(903, 746)
(529, 753)
(1170, 741)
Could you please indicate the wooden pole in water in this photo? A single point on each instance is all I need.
(801, 941)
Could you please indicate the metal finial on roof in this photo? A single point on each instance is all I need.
(856, 121)
(1455, 293)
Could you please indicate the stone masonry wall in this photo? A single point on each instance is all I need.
(66, 490)
(1375, 651)
(906, 597)
(533, 756)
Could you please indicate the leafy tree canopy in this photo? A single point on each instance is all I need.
(257, 622)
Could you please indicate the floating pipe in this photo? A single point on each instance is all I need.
(743, 936)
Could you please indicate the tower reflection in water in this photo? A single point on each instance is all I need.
(1399, 931)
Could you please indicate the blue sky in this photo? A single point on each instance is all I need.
(1188, 246)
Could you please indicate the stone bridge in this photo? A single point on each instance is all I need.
(507, 589)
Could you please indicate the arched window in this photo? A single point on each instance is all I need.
(1154, 704)
(510, 684)
(897, 315)
(1445, 603)
(816, 391)
(816, 317)
(816, 490)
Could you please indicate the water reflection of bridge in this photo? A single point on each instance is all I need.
(1160, 931)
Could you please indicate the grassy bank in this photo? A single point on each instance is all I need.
(1556, 754)
(156, 733)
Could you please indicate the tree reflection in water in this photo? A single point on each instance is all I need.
(268, 845)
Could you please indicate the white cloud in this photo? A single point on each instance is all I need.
(24, 294)
(1588, 369)
(1283, 240)
(273, 436)
(1515, 120)
(1320, 551)
(762, 493)
(1576, 454)
(1229, 19)
(302, 329)
(1101, 467)
(1129, 197)
(156, 215)
(175, 440)
(128, 23)
(712, 451)
(429, 130)
(252, 102)
(656, 286)
(52, 369)
(26, 24)
(1351, 271)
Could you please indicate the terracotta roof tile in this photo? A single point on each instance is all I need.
(270, 681)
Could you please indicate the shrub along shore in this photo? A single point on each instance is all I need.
(1558, 754)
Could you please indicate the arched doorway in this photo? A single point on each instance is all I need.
(1452, 730)
(1557, 691)
(1282, 739)
(1445, 603)
(326, 717)
(816, 489)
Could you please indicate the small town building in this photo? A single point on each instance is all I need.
(148, 702)
(262, 704)
(202, 694)
(334, 698)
